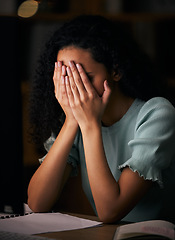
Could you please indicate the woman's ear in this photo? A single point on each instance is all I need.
(117, 75)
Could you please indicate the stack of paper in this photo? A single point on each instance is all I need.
(35, 223)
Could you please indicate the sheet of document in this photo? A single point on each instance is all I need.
(35, 223)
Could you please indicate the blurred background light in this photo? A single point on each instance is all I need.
(28, 8)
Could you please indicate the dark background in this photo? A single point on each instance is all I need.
(151, 22)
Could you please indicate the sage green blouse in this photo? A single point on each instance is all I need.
(144, 141)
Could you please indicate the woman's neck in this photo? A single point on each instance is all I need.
(116, 108)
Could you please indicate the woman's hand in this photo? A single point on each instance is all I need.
(87, 106)
(60, 90)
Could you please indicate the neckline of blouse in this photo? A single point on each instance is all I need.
(137, 102)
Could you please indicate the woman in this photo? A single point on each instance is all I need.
(101, 107)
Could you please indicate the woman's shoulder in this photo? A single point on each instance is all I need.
(158, 102)
(157, 107)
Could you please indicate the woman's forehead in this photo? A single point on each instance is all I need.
(79, 55)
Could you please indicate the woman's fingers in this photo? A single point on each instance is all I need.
(85, 80)
(106, 93)
(73, 79)
(57, 76)
(79, 81)
(55, 72)
(69, 92)
(63, 90)
(55, 79)
(63, 73)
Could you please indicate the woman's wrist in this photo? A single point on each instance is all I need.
(71, 123)
(91, 127)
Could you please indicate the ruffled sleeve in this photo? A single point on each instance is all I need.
(153, 146)
(47, 145)
(73, 158)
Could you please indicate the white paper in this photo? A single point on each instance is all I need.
(153, 227)
(36, 223)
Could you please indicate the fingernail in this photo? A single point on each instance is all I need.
(71, 63)
(68, 70)
(59, 64)
(56, 65)
(78, 65)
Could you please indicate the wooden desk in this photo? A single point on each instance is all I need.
(104, 232)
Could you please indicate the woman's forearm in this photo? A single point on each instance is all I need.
(113, 199)
(104, 187)
(46, 183)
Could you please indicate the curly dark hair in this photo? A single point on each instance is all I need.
(109, 44)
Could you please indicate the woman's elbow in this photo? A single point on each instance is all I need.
(33, 206)
(109, 216)
(36, 206)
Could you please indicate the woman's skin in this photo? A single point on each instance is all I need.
(89, 96)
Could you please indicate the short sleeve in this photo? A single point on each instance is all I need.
(153, 146)
(73, 158)
(47, 145)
